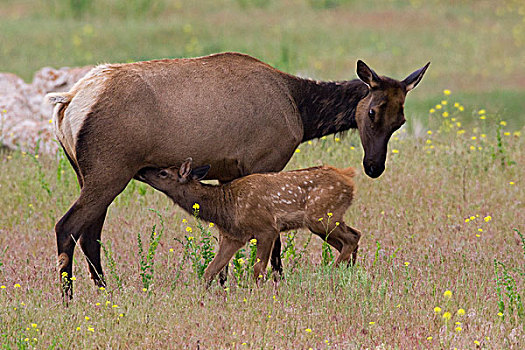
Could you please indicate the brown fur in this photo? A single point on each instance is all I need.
(229, 110)
(262, 205)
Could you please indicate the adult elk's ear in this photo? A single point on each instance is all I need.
(185, 170)
(413, 79)
(200, 172)
(367, 75)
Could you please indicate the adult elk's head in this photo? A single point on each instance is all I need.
(381, 113)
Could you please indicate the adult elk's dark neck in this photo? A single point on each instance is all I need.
(328, 107)
(214, 202)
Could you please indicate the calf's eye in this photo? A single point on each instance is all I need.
(163, 174)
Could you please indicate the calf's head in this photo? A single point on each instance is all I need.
(381, 113)
(166, 179)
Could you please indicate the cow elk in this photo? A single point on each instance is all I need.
(260, 206)
(228, 110)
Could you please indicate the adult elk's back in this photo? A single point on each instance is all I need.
(228, 110)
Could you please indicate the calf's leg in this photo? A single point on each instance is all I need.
(227, 248)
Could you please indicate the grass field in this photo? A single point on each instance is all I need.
(441, 261)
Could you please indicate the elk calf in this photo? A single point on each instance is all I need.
(262, 205)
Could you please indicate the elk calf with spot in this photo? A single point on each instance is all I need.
(262, 205)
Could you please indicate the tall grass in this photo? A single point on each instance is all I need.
(439, 257)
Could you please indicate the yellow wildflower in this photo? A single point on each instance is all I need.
(329, 215)
(33, 325)
(447, 315)
(447, 294)
(189, 229)
(439, 106)
(196, 206)
(487, 218)
(395, 151)
(17, 285)
(86, 318)
(461, 108)
(503, 123)
(445, 114)
(446, 92)
(477, 343)
(407, 263)
(429, 132)
(511, 183)
(437, 310)
(458, 329)
(461, 312)
(371, 322)
(297, 150)
(432, 110)
(500, 314)
(337, 139)
(211, 224)
(456, 104)
(482, 111)
(253, 241)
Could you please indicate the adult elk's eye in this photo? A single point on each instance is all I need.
(371, 114)
(163, 174)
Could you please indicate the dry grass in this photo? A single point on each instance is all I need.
(416, 246)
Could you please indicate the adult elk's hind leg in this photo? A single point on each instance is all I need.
(90, 244)
(83, 222)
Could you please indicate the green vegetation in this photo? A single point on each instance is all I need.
(476, 47)
(441, 259)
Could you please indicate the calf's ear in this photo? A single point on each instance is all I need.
(200, 172)
(185, 169)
